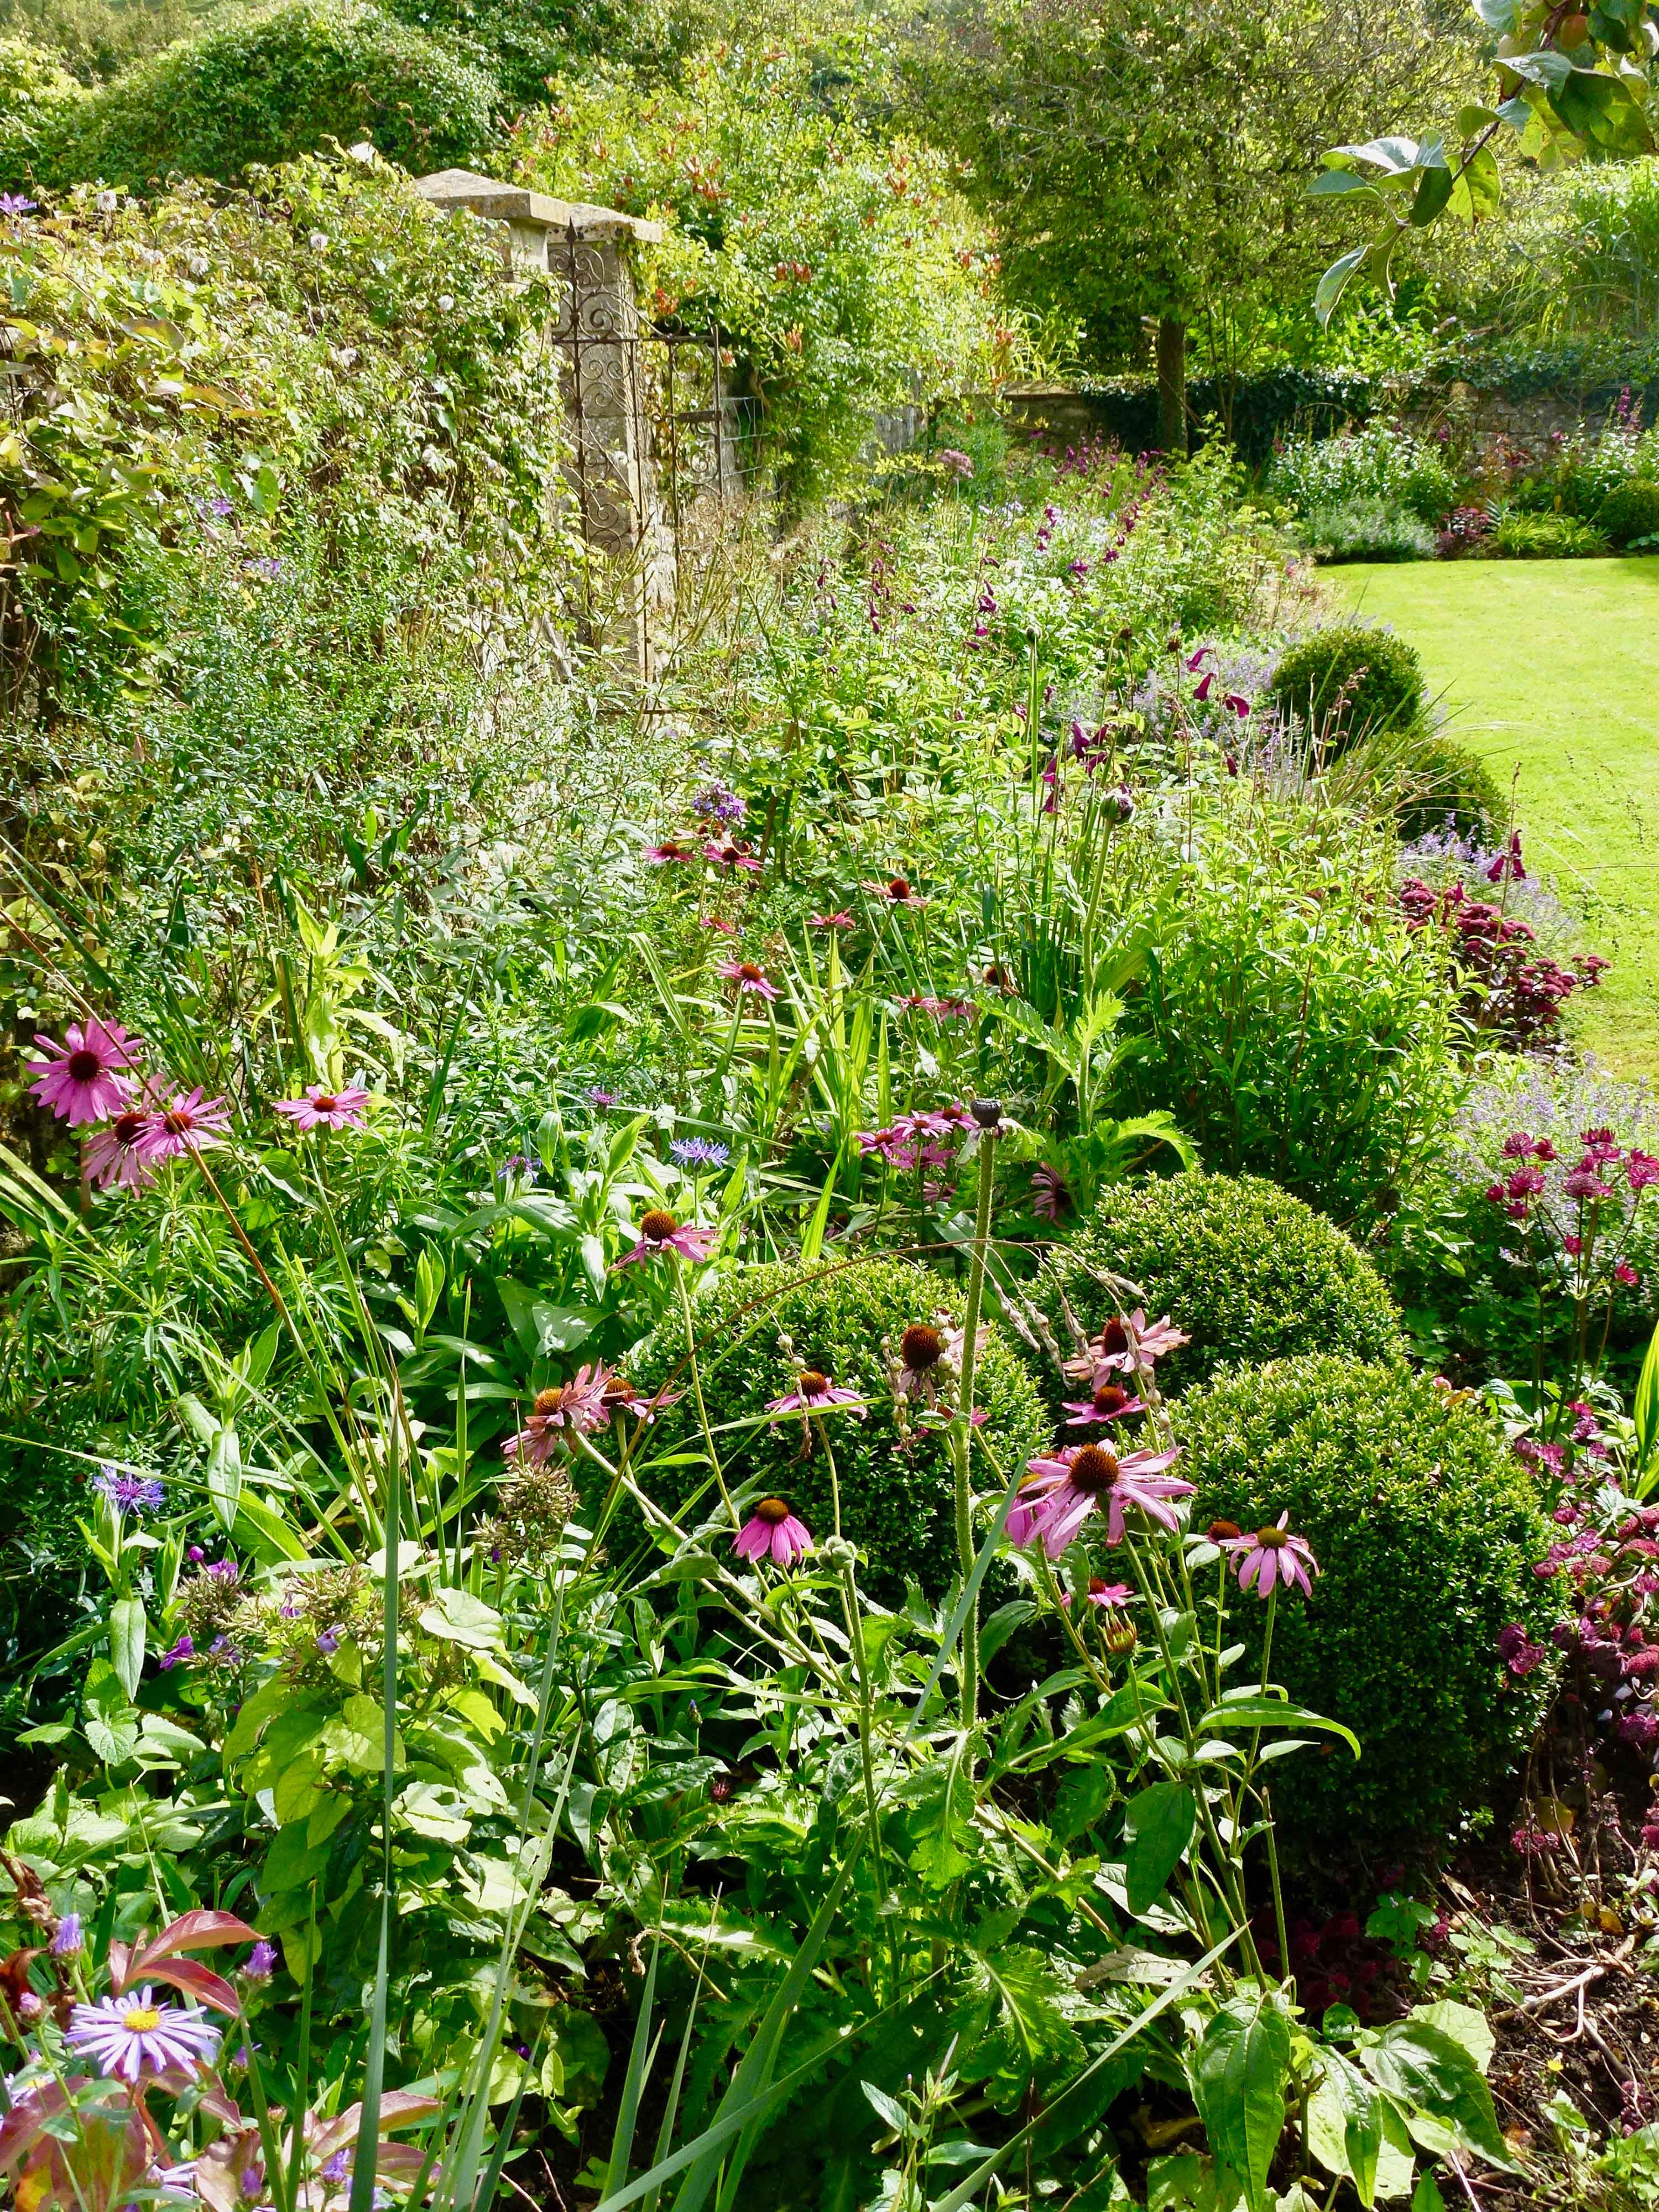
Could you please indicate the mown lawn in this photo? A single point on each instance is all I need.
(1551, 667)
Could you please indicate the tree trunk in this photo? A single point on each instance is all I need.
(1172, 384)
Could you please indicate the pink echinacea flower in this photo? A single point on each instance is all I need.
(660, 1232)
(1272, 1556)
(324, 1109)
(772, 1531)
(85, 1082)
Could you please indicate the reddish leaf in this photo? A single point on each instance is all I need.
(397, 2108)
(195, 1931)
(197, 1981)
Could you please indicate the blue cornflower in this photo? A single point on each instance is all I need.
(127, 1490)
(700, 1152)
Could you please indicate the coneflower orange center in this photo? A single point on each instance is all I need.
(326, 1103)
(1222, 1532)
(748, 973)
(656, 1227)
(772, 1511)
(548, 1401)
(618, 1391)
(1108, 1399)
(125, 1128)
(812, 1384)
(922, 1347)
(1094, 1469)
(897, 888)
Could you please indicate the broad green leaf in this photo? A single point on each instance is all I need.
(457, 1617)
(224, 1475)
(1250, 1709)
(1157, 1826)
(1345, 2124)
(127, 1632)
(1428, 2071)
(1335, 282)
(1238, 2075)
(1644, 1410)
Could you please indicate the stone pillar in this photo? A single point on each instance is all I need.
(597, 331)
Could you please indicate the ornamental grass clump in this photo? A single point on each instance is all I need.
(1427, 1531)
(850, 1364)
(1253, 1273)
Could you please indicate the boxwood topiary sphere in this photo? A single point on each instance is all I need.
(1247, 1271)
(1349, 682)
(1630, 511)
(1426, 1532)
(896, 1501)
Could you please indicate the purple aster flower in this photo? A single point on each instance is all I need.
(130, 2037)
(13, 204)
(596, 1096)
(68, 1939)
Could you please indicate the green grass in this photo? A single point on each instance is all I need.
(1551, 670)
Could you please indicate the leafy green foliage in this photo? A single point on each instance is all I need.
(1426, 1532)
(1445, 780)
(1248, 1271)
(1361, 529)
(277, 85)
(1630, 511)
(1520, 535)
(1375, 463)
(845, 1320)
(844, 270)
(1348, 682)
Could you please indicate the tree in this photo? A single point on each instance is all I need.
(1148, 160)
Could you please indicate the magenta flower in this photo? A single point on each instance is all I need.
(841, 919)
(324, 1109)
(1110, 1402)
(669, 851)
(752, 980)
(183, 1648)
(660, 1232)
(1112, 1595)
(621, 1397)
(191, 1124)
(1583, 1182)
(773, 1530)
(730, 854)
(1642, 1169)
(1272, 1556)
(1128, 1341)
(575, 1407)
(133, 2036)
(85, 1082)
(813, 1394)
(1600, 1146)
(1064, 1490)
(895, 890)
(1237, 703)
(717, 922)
(1203, 691)
(1049, 1196)
(1624, 1273)
(114, 1155)
(1508, 862)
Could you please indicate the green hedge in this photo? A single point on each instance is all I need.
(895, 1502)
(1630, 511)
(1247, 1271)
(1380, 673)
(1426, 1530)
(266, 88)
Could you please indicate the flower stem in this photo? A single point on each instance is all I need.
(961, 1428)
(696, 1385)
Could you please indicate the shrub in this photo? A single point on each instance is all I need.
(265, 89)
(1426, 1532)
(896, 1498)
(1448, 781)
(1376, 463)
(35, 93)
(1367, 530)
(1247, 1271)
(1630, 511)
(1520, 537)
(1350, 681)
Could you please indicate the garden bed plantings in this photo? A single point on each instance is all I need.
(876, 1427)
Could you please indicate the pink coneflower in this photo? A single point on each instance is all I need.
(190, 1124)
(1127, 1340)
(1049, 1196)
(1062, 1491)
(717, 922)
(621, 1397)
(84, 1082)
(1272, 1556)
(669, 851)
(750, 979)
(114, 1155)
(773, 1531)
(841, 919)
(1113, 1596)
(324, 1109)
(1110, 1402)
(660, 1232)
(813, 1393)
(927, 1351)
(578, 1406)
(133, 2036)
(729, 854)
(895, 890)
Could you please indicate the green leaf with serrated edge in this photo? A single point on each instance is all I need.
(1238, 2075)
(1157, 1826)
